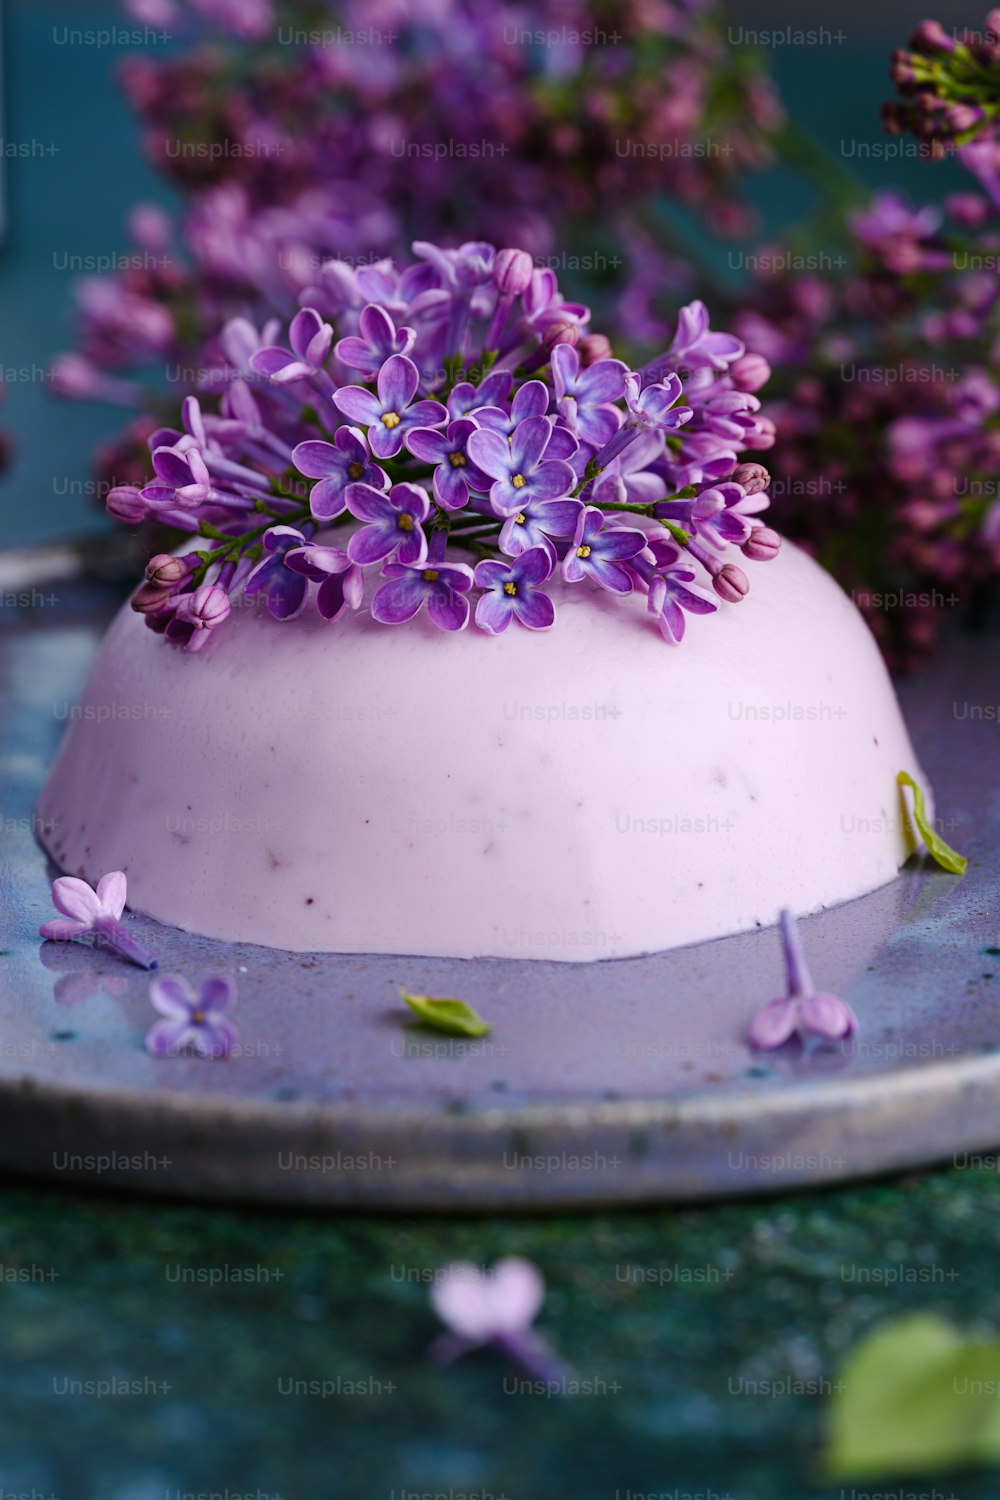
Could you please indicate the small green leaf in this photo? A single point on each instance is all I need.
(453, 1016)
(945, 855)
(915, 1397)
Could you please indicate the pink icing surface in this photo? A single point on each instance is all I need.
(580, 794)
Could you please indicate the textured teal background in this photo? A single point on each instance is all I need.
(771, 1292)
(90, 1288)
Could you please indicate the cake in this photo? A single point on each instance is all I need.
(574, 795)
(310, 751)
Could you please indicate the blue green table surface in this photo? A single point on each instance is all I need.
(678, 1318)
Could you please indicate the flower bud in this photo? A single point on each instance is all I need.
(763, 434)
(930, 36)
(126, 504)
(731, 583)
(751, 477)
(893, 117)
(762, 544)
(165, 570)
(207, 606)
(962, 117)
(149, 600)
(560, 333)
(901, 69)
(750, 372)
(593, 347)
(967, 209)
(512, 272)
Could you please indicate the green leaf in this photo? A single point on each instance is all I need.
(945, 855)
(453, 1016)
(915, 1397)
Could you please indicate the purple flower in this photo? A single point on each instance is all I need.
(196, 615)
(493, 1307)
(191, 1020)
(599, 554)
(379, 340)
(653, 406)
(284, 587)
(721, 514)
(389, 415)
(336, 465)
(182, 483)
(97, 912)
(669, 591)
(441, 586)
(802, 1009)
(695, 347)
(455, 474)
(593, 389)
(513, 592)
(530, 400)
(535, 522)
(544, 306)
(310, 339)
(341, 581)
(518, 468)
(467, 398)
(395, 520)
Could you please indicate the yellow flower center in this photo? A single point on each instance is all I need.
(583, 551)
(520, 518)
(510, 588)
(457, 460)
(519, 481)
(405, 522)
(198, 1017)
(355, 471)
(390, 419)
(430, 575)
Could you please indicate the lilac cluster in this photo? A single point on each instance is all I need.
(949, 85)
(334, 128)
(889, 406)
(456, 434)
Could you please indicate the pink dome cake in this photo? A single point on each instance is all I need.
(578, 794)
(627, 750)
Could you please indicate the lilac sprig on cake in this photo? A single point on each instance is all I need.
(453, 435)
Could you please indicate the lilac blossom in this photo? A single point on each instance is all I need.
(336, 465)
(377, 340)
(598, 552)
(669, 582)
(512, 592)
(655, 406)
(392, 413)
(536, 523)
(545, 454)
(310, 338)
(518, 467)
(284, 588)
(395, 523)
(455, 474)
(803, 1009)
(696, 347)
(97, 913)
(192, 1020)
(341, 581)
(496, 1307)
(594, 389)
(442, 587)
